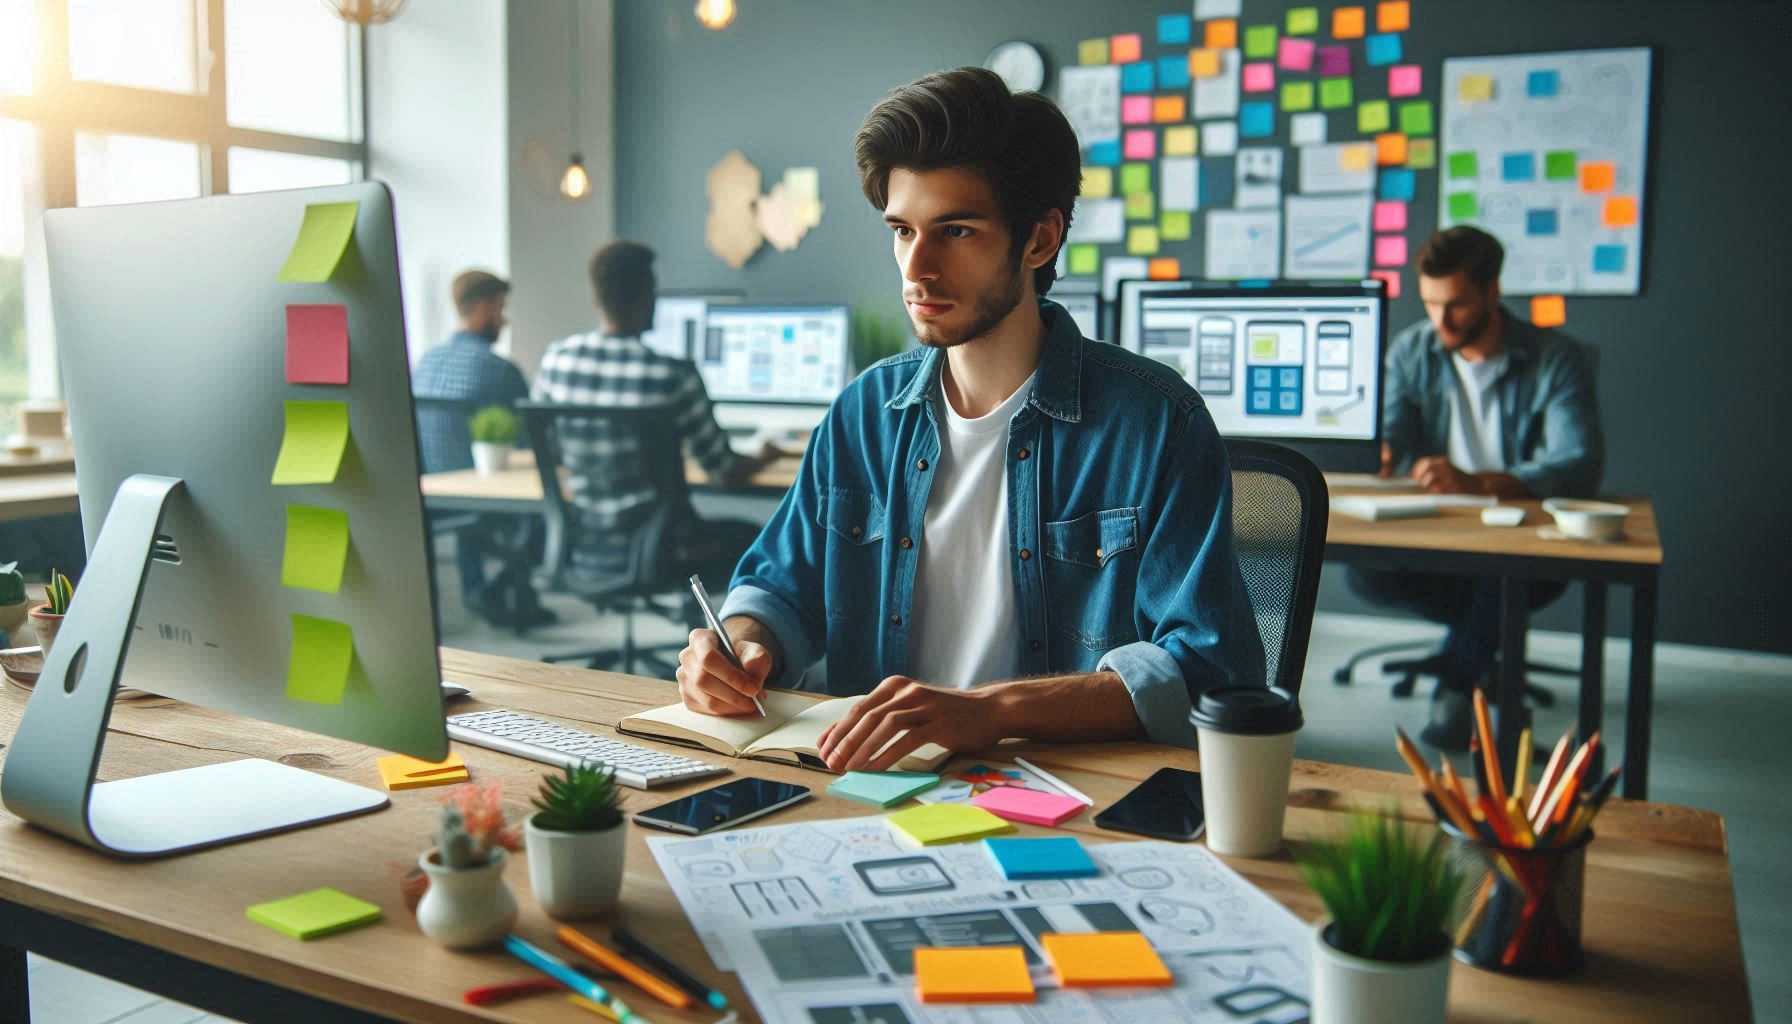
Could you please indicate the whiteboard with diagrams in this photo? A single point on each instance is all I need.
(1547, 151)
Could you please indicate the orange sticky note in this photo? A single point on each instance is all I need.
(1393, 16)
(1101, 959)
(1390, 149)
(398, 771)
(1348, 23)
(1203, 63)
(990, 974)
(1124, 49)
(1168, 108)
(1548, 311)
(1164, 268)
(1620, 212)
(1222, 34)
(1598, 176)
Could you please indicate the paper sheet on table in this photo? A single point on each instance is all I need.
(322, 652)
(316, 548)
(323, 238)
(312, 447)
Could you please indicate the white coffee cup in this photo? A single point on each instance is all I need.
(1246, 738)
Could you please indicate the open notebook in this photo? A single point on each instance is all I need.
(789, 732)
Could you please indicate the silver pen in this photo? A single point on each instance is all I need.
(709, 616)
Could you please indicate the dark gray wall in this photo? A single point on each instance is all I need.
(1694, 370)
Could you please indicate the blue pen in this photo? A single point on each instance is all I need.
(563, 972)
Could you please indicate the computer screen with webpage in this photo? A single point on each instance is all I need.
(1127, 299)
(680, 318)
(1084, 308)
(792, 355)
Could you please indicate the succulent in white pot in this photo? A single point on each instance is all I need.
(467, 905)
(576, 841)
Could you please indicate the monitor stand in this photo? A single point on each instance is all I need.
(50, 767)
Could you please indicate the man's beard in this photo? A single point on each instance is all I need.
(991, 308)
(1474, 332)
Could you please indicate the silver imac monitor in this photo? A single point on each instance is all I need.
(1299, 365)
(245, 555)
(680, 318)
(783, 355)
(1128, 301)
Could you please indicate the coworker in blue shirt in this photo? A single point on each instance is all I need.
(1012, 530)
(1477, 401)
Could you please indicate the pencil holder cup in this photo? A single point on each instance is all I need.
(1523, 912)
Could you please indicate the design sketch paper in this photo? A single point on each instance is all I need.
(1244, 244)
(1328, 237)
(1090, 98)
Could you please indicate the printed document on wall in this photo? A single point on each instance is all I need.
(1244, 245)
(1090, 98)
(1328, 237)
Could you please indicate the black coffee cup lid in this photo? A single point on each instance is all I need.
(1249, 711)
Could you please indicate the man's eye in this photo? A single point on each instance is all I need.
(957, 231)
(902, 230)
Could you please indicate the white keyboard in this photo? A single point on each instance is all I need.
(519, 734)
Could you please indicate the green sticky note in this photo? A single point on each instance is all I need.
(1415, 118)
(1559, 165)
(934, 824)
(1462, 165)
(323, 238)
(322, 652)
(882, 789)
(1373, 117)
(1174, 225)
(316, 437)
(1464, 206)
(1084, 260)
(1139, 206)
(1135, 178)
(314, 914)
(1421, 154)
(1260, 41)
(1334, 93)
(1303, 21)
(1092, 51)
(1297, 96)
(316, 548)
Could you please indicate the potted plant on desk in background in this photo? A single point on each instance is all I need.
(46, 619)
(493, 431)
(467, 905)
(576, 843)
(14, 602)
(1384, 954)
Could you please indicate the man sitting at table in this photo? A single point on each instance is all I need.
(1477, 401)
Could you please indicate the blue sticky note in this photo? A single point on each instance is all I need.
(1173, 29)
(1256, 120)
(1172, 73)
(882, 789)
(1058, 857)
(1398, 183)
(1105, 154)
(1542, 83)
(1541, 222)
(1608, 259)
(1137, 77)
(1383, 49)
(1518, 167)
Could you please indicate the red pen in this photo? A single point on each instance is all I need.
(486, 995)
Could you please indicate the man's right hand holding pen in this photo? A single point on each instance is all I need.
(708, 682)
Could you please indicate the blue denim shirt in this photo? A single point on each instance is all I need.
(1119, 526)
(1549, 411)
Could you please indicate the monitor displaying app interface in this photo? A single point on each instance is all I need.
(785, 354)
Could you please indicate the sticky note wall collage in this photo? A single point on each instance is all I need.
(315, 439)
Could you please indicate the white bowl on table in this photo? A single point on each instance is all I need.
(1587, 520)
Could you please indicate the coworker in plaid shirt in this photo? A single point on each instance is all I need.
(613, 367)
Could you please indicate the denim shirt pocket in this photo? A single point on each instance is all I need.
(854, 521)
(1091, 574)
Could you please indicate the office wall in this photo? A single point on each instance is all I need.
(1693, 368)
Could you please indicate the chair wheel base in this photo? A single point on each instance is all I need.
(1405, 687)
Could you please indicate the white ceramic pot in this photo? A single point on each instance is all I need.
(1352, 990)
(489, 458)
(466, 908)
(1588, 520)
(575, 874)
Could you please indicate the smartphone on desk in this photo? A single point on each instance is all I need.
(1166, 806)
(722, 806)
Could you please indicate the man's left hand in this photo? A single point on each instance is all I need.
(959, 720)
(1435, 474)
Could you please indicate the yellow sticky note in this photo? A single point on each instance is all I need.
(1092, 51)
(934, 824)
(1140, 206)
(323, 237)
(316, 548)
(1203, 63)
(1475, 88)
(1098, 959)
(1098, 182)
(1180, 140)
(1357, 157)
(398, 771)
(1141, 240)
(316, 437)
(802, 183)
(988, 974)
(322, 652)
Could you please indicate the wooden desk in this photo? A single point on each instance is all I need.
(1660, 934)
(517, 489)
(29, 496)
(1456, 541)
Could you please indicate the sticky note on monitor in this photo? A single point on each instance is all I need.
(314, 914)
(882, 789)
(399, 771)
(1026, 859)
(989, 974)
(311, 449)
(1029, 806)
(1104, 959)
(316, 548)
(323, 238)
(317, 344)
(938, 824)
(322, 652)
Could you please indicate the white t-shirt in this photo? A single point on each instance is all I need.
(1475, 415)
(962, 623)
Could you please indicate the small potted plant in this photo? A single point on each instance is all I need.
(13, 602)
(1384, 954)
(467, 905)
(576, 840)
(46, 619)
(493, 430)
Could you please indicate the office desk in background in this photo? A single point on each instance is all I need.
(1660, 918)
(38, 494)
(517, 489)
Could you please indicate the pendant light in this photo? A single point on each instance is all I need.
(575, 184)
(715, 14)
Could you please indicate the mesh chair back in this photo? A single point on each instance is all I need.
(1280, 507)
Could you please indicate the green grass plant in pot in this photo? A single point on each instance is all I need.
(576, 840)
(493, 431)
(46, 618)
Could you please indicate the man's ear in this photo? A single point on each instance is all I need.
(1047, 238)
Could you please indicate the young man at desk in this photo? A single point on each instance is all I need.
(1477, 401)
(1010, 531)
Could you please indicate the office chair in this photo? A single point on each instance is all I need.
(652, 573)
(1280, 507)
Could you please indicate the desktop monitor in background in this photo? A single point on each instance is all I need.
(248, 488)
(1127, 303)
(1299, 365)
(1084, 306)
(785, 355)
(680, 317)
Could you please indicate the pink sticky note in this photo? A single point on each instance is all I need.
(1334, 60)
(1404, 80)
(1135, 110)
(1391, 278)
(1295, 54)
(317, 344)
(1390, 215)
(1028, 806)
(1141, 144)
(1390, 251)
(1259, 77)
